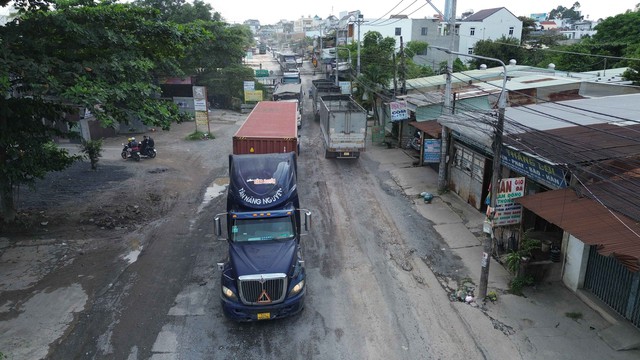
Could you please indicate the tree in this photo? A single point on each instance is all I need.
(504, 49)
(572, 13)
(376, 64)
(528, 25)
(93, 151)
(105, 57)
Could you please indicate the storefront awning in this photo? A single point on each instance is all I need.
(613, 234)
(430, 127)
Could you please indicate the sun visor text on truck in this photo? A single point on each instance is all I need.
(262, 181)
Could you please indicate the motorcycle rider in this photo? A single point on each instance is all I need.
(132, 143)
(147, 143)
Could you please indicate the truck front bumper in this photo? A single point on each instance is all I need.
(244, 313)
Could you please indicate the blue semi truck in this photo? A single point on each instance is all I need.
(263, 276)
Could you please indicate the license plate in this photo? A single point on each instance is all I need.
(264, 316)
(346, 154)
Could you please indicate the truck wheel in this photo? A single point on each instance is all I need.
(327, 154)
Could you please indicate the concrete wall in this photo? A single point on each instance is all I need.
(575, 267)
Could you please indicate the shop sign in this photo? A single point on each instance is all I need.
(249, 85)
(345, 87)
(432, 150)
(252, 95)
(507, 212)
(398, 111)
(539, 171)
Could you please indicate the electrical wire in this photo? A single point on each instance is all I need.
(388, 12)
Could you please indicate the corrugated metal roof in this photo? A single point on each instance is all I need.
(580, 144)
(430, 127)
(530, 81)
(613, 233)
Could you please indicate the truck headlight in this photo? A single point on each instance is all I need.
(296, 289)
(228, 293)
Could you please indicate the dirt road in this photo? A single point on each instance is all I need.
(132, 271)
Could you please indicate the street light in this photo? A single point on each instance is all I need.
(495, 176)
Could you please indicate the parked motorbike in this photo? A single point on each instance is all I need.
(129, 152)
(414, 143)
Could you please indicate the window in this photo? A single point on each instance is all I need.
(423, 31)
(470, 51)
(398, 31)
(510, 30)
(472, 31)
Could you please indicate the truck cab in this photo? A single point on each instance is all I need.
(263, 276)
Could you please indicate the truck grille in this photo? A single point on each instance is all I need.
(262, 289)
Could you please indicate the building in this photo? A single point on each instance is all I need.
(580, 163)
(488, 24)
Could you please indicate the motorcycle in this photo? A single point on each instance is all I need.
(130, 152)
(414, 143)
(149, 152)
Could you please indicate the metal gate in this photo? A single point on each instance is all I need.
(614, 284)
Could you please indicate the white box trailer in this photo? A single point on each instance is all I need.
(344, 126)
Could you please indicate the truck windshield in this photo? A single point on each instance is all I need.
(262, 229)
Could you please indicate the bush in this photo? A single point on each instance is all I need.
(92, 150)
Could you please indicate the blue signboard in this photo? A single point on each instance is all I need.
(432, 150)
(539, 171)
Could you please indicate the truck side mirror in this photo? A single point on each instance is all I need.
(217, 226)
(307, 220)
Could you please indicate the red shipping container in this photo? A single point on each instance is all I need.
(271, 127)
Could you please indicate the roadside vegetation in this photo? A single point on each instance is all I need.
(106, 57)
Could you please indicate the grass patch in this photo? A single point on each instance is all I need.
(574, 315)
(200, 135)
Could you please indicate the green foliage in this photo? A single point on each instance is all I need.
(503, 49)
(413, 48)
(200, 135)
(528, 25)
(376, 54)
(376, 66)
(93, 151)
(228, 82)
(562, 12)
(512, 261)
(617, 36)
(102, 56)
(573, 315)
(527, 245)
(458, 66)
(492, 296)
(519, 283)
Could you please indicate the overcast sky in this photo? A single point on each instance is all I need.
(270, 12)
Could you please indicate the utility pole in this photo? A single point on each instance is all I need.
(496, 146)
(444, 138)
(403, 73)
(336, 56)
(360, 21)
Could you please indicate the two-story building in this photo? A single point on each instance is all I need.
(488, 24)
